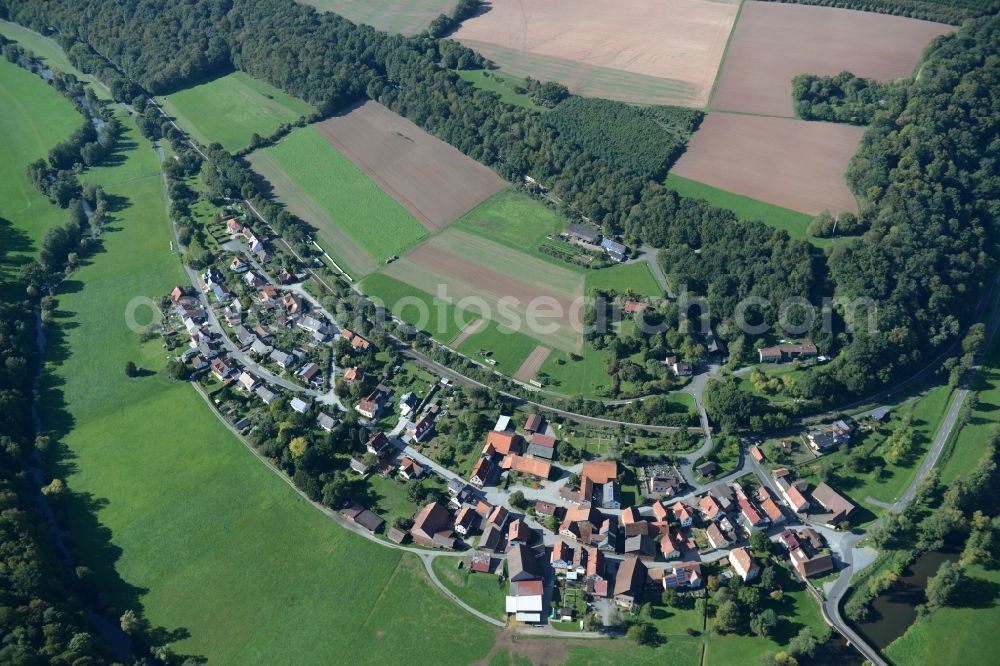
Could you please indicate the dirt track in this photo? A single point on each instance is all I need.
(681, 40)
(787, 162)
(773, 42)
(466, 332)
(428, 177)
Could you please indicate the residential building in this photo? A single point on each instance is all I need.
(715, 536)
(683, 575)
(630, 582)
(614, 249)
(595, 474)
(743, 564)
(481, 472)
(562, 556)
(431, 521)
(641, 546)
(582, 233)
(532, 466)
(265, 394)
(837, 506)
(611, 495)
(282, 359)
(352, 375)
(465, 520)
(709, 507)
(299, 405)
(498, 516)
(791, 494)
(407, 402)
(518, 533)
(833, 435)
(480, 561)
(326, 422)
(669, 546)
(683, 514)
(410, 468)
(502, 443)
(522, 564)
(595, 563)
(787, 352)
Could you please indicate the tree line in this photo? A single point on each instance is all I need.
(943, 11)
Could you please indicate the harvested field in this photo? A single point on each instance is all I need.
(590, 43)
(791, 163)
(407, 17)
(466, 332)
(775, 41)
(532, 364)
(434, 181)
(543, 301)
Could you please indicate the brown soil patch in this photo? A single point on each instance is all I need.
(786, 162)
(466, 332)
(532, 364)
(540, 651)
(681, 40)
(775, 41)
(428, 177)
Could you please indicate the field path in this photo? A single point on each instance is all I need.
(532, 364)
(466, 332)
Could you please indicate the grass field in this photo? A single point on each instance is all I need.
(175, 516)
(50, 53)
(391, 292)
(625, 278)
(794, 222)
(231, 109)
(351, 202)
(407, 17)
(507, 348)
(484, 592)
(968, 447)
(585, 373)
(35, 118)
(502, 84)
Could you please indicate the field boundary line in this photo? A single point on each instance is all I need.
(722, 60)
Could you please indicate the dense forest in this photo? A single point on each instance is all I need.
(844, 98)
(924, 259)
(942, 11)
(645, 139)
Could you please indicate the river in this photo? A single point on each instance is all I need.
(895, 609)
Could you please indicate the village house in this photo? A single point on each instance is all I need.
(492, 538)
(806, 552)
(222, 370)
(291, 303)
(630, 582)
(787, 352)
(769, 506)
(268, 294)
(537, 468)
(310, 374)
(615, 250)
(749, 516)
(326, 422)
(678, 367)
(562, 556)
(233, 226)
(595, 563)
(176, 295)
(251, 279)
(743, 564)
(715, 536)
(518, 533)
(661, 480)
(791, 494)
(502, 443)
(243, 337)
(372, 405)
(498, 516)
(833, 435)
(543, 508)
(709, 507)
(641, 546)
(259, 349)
(358, 466)
(430, 527)
(524, 600)
(683, 575)
(266, 395)
(407, 401)
(465, 521)
(247, 381)
(352, 375)
(533, 424)
(424, 425)
(683, 514)
(377, 443)
(410, 469)
(707, 469)
(299, 405)
(541, 446)
(480, 561)
(481, 472)
(359, 515)
(313, 326)
(669, 546)
(282, 359)
(597, 474)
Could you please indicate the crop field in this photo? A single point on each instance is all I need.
(35, 118)
(790, 163)
(356, 220)
(774, 41)
(222, 550)
(231, 109)
(634, 278)
(499, 283)
(746, 208)
(664, 51)
(407, 17)
(432, 180)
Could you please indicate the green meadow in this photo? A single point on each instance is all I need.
(636, 279)
(485, 592)
(401, 300)
(508, 348)
(175, 517)
(350, 199)
(35, 118)
(504, 85)
(231, 109)
(794, 222)
(515, 220)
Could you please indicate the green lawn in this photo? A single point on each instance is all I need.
(585, 374)
(483, 591)
(634, 278)
(401, 299)
(518, 221)
(794, 222)
(408, 18)
(506, 347)
(955, 635)
(231, 109)
(175, 516)
(35, 118)
(969, 445)
(352, 202)
(502, 84)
